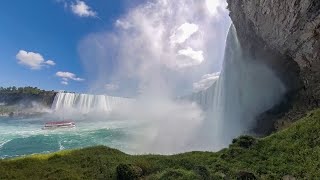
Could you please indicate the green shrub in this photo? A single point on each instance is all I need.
(178, 174)
(203, 172)
(128, 172)
(244, 141)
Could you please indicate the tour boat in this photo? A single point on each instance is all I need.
(59, 124)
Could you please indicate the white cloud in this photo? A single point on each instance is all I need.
(78, 79)
(50, 62)
(206, 81)
(181, 34)
(196, 57)
(81, 9)
(112, 87)
(32, 60)
(66, 76)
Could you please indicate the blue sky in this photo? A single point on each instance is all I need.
(117, 47)
(49, 28)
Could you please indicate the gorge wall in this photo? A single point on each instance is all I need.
(284, 35)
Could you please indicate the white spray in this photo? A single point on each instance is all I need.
(244, 89)
(159, 47)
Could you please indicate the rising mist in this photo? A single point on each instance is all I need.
(156, 52)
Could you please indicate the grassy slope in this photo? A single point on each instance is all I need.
(294, 151)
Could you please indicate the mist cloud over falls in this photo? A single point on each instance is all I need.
(155, 52)
(179, 41)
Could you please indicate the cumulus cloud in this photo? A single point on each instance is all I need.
(196, 57)
(32, 60)
(50, 62)
(66, 76)
(80, 8)
(206, 81)
(184, 32)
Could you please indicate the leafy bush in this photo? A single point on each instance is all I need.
(128, 171)
(244, 141)
(178, 174)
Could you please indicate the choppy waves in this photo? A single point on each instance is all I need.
(24, 137)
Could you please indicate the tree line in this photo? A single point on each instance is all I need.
(26, 90)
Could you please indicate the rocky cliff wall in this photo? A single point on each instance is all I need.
(285, 35)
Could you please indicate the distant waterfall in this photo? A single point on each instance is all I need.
(244, 89)
(86, 103)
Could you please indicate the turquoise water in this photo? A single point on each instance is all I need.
(20, 137)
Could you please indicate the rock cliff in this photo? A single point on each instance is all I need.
(285, 35)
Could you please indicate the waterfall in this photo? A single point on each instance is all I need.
(86, 103)
(245, 88)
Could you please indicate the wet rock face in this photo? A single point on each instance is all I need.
(290, 26)
(285, 35)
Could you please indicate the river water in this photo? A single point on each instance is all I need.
(20, 136)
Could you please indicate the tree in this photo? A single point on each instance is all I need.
(14, 89)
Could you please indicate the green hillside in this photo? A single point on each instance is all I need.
(294, 152)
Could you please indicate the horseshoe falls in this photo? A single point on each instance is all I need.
(245, 89)
(86, 103)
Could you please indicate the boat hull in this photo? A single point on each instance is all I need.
(58, 125)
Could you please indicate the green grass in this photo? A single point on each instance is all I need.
(294, 151)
